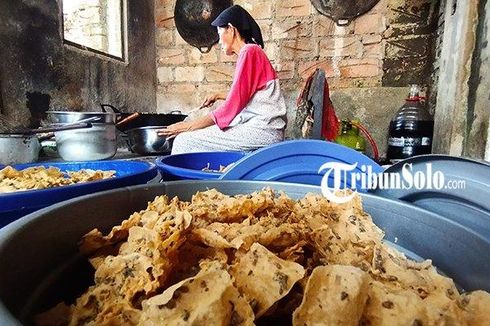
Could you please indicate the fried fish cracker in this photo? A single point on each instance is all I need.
(129, 274)
(210, 238)
(209, 298)
(101, 306)
(283, 236)
(95, 240)
(476, 306)
(92, 303)
(294, 253)
(190, 256)
(264, 278)
(334, 295)
(392, 306)
(87, 175)
(391, 265)
(212, 206)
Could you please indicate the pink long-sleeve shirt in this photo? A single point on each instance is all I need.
(255, 93)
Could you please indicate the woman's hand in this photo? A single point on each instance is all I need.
(180, 127)
(175, 129)
(210, 100)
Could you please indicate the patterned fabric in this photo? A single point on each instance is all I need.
(243, 138)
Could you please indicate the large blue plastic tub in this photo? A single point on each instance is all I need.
(17, 204)
(190, 166)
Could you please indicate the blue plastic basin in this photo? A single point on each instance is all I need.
(17, 204)
(189, 166)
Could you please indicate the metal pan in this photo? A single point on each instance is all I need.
(343, 11)
(143, 119)
(193, 21)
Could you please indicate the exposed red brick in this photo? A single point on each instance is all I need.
(341, 46)
(171, 56)
(290, 28)
(221, 72)
(259, 9)
(305, 69)
(195, 74)
(353, 68)
(293, 8)
(196, 57)
(305, 47)
(370, 24)
(285, 70)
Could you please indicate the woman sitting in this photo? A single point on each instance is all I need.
(253, 114)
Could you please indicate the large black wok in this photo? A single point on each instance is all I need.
(40, 265)
(343, 11)
(144, 119)
(193, 20)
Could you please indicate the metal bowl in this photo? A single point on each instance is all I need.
(145, 140)
(48, 267)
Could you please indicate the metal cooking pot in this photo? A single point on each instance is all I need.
(24, 147)
(145, 141)
(343, 11)
(49, 269)
(98, 143)
(193, 20)
(15, 149)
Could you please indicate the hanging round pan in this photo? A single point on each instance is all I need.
(343, 11)
(193, 20)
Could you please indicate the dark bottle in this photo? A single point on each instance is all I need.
(411, 129)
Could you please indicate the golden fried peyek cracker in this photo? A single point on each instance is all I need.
(209, 298)
(264, 278)
(334, 295)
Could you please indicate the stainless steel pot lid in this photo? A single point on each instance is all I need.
(465, 192)
(70, 117)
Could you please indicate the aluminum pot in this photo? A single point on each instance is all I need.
(15, 149)
(145, 141)
(24, 146)
(49, 268)
(96, 143)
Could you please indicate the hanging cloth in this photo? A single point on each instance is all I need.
(305, 114)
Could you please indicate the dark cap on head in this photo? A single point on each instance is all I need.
(243, 22)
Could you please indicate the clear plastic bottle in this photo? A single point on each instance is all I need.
(411, 130)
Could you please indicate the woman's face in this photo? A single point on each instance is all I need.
(226, 39)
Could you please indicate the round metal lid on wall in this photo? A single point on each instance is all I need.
(343, 11)
(463, 197)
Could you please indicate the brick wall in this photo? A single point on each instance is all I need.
(86, 24)
(298, 39)
(388, 46)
